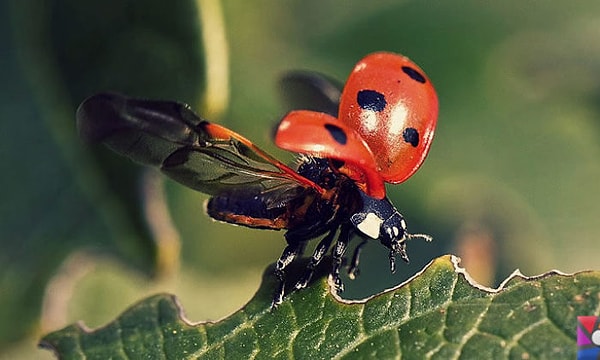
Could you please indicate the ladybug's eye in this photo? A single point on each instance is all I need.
(394, 229)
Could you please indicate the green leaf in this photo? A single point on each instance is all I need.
(439, 313)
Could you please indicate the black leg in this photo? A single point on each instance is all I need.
(316, 258)
(338, 254)
(392, 262)
(403, 255)
(353, 270)
(289, 254)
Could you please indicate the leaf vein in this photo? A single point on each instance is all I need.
(433, 351)
(78, 342)
(159, 325)
(294, 334)
(469, 334)
(397, 343)
(323, 334)
(516, 337)
(546, 302)
(121, 341)
(247, 323)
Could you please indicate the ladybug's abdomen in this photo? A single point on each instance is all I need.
(252, 209)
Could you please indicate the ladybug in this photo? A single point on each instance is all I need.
(377, 130)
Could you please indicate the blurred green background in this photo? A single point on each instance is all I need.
(512, 179)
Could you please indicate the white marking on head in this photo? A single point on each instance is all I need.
(370, 226)
(396, 231)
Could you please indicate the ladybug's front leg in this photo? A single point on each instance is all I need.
(338, 255)
(353, 270)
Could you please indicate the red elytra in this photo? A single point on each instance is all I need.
(389, 101)
(324, 136)
(389, 106)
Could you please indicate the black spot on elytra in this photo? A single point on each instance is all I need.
(411, 136)
(371, 100)
(337, 133)
(414, 74)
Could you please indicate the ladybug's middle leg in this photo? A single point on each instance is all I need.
(338, 255)
(296, 239)
(316, 258)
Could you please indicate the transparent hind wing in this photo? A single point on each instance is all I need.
(170, 136)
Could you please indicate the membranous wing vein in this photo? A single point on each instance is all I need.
(169, 135)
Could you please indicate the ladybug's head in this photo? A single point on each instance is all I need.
(379, 219)
(394, 236)
(393, 233)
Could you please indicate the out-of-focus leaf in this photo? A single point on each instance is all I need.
(439, 313)
(58, 195)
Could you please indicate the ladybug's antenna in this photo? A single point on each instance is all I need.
(425, 237)
(401, 249)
